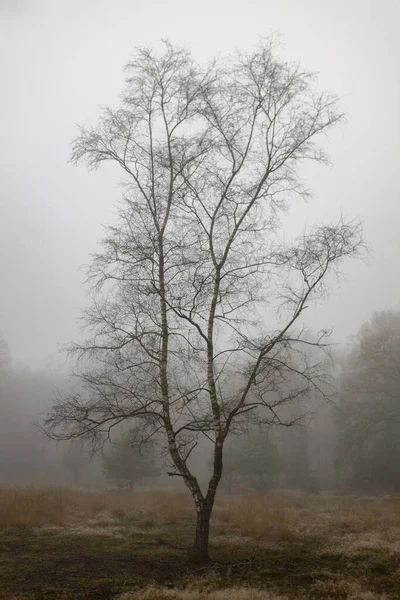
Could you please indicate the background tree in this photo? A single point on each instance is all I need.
(251, 462)
(24, 455)
(126, 463)
(78, 467)
(369, 411)
(297, 472)
(195, 286)
(4, 356)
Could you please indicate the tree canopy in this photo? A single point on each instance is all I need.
(369, 411)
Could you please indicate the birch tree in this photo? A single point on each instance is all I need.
(196, 318)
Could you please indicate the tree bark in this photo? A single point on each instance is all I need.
(199, 553)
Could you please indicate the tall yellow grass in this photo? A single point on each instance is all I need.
(272, 517)
(29, 506)
(35, 506)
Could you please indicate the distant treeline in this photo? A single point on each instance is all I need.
(351, 442)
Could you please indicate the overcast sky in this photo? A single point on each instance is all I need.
(60, 59)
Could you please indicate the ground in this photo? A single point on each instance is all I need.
(58, 543)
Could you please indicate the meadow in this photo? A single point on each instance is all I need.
(62, 543)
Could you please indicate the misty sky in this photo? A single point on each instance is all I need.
(60, 59)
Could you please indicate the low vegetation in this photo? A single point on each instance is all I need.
(64, 543)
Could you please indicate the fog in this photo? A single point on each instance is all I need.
(59, 62)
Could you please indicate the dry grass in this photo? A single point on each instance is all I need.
(348, 523)
(350, 590)
(345, 590)
(35, 506)
(243, 593)
(256, 516)
(343, 523)
(333, 548)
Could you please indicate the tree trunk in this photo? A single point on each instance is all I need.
(199, 552)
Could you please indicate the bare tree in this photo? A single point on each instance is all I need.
(197, 301)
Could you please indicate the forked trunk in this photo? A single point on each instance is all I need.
(199, 553)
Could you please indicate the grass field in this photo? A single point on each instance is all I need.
(59, 543)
